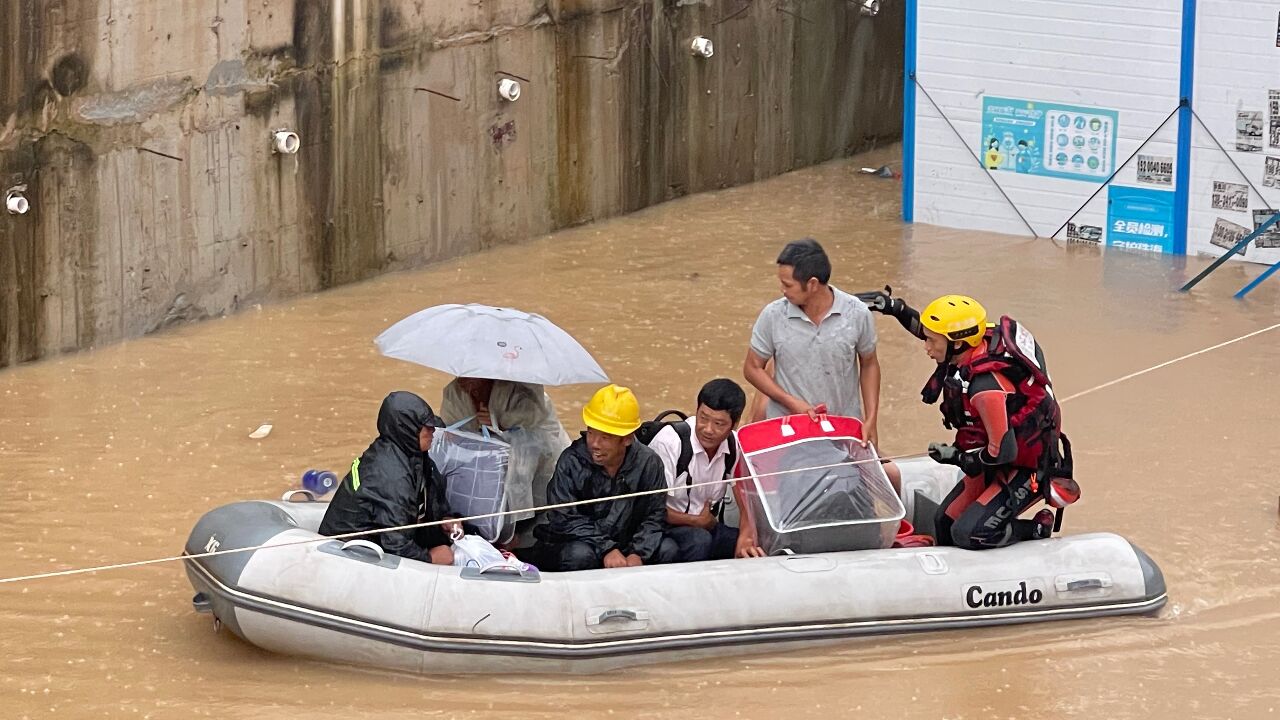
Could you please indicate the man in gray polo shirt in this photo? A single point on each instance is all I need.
(822, 341)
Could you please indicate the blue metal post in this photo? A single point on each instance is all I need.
(909, 117)
(1186, 84)
(1244, 242)
(1257, 281)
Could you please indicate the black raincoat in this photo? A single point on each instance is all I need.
(631, 526)
(393, 483)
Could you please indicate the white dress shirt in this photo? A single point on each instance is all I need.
(702, 469)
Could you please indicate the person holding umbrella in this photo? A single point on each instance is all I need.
(501, 359)
(523, 416)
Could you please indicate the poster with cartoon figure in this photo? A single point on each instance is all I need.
(1048, 139)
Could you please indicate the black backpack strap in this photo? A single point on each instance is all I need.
(730, 462)
(685, 433)
(1057, 463)
(731, 459)
(1066, 463)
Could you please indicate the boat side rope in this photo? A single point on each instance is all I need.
(433, 523)
(575, 503)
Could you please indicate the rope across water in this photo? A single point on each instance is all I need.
(542, 508)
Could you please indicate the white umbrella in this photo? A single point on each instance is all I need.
(489, 342)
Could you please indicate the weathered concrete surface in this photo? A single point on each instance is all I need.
(141, 129)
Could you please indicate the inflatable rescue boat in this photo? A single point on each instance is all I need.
(828, 578)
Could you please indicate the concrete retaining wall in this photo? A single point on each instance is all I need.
(141, 128)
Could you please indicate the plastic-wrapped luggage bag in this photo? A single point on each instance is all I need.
(474, 466)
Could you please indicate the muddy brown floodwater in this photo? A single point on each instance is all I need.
(111, 455)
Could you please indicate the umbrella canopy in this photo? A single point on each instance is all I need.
(489, 342)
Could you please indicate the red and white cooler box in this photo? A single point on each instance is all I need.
(813, 487)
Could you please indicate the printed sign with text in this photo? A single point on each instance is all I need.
(1048, 139)
(1140, 219)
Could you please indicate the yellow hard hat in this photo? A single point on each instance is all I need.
(956, 317)
(613, 410)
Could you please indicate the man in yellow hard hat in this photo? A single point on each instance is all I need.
(605, 461)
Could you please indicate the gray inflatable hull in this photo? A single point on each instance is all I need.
(351, 606)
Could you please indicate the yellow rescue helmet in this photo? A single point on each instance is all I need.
(613, 410)
(956, 317)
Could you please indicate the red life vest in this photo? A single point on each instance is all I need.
(1034, 416)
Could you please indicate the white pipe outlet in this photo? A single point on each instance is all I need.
(285, 142)
(870, 7)
(16, 203)
(702, 47)
(509, 89)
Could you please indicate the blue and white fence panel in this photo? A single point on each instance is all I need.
(1053, 97)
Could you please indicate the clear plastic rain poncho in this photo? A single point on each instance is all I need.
(528, 422)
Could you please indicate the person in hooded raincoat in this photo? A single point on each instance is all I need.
(525, 418)
(395, 483)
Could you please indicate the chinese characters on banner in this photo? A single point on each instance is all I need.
(1140, 219)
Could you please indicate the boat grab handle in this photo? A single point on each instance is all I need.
(1075, 583)
(308, 496)
(605, 616)
(1090, 584)
(501, 570)
(363, 547)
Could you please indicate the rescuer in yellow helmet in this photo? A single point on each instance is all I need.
(996, 394)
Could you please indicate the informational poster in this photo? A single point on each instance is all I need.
(1249, 131)
(1226, 234)
(1155, 170)
(1086, 234)
(1270, 238)
(1271, 172)
(1273, 108)
(1230, 196)
(1140, 219)
(1048, 139)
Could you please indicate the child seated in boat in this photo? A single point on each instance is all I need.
(388, 483)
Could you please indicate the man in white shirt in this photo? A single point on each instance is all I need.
(698, 457)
